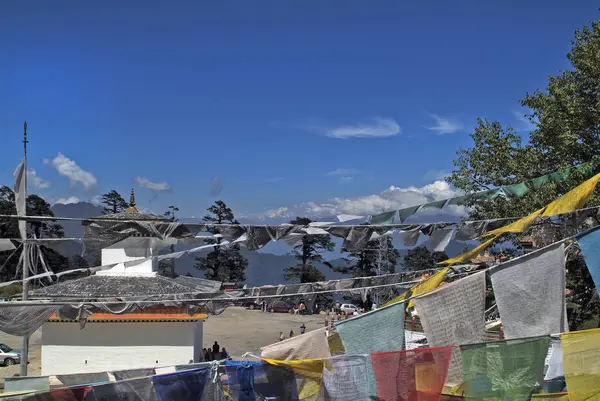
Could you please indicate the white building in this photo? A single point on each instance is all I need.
(149, 337)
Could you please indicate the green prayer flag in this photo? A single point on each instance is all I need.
(461, 200)
(539, 181)
(384, 218)
(503, 370)
(405, 213)
(515, 190)
(435, 205)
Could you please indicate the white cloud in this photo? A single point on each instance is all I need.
(390, 199)
(524, 123)
(445, 125)
(342, 172)
(379, 128)
(36, 181)
(68, 168)
(96, 200)
(155, 186)
(436, 175)
(68, 201)
(345, 178)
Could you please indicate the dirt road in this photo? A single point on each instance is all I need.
(238, 330)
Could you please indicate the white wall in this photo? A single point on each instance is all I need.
(103, 347)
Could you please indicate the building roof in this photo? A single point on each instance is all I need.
(199, 284)
(93, 287)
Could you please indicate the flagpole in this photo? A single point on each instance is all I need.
(25, 345)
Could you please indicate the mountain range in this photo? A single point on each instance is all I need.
(264, 266)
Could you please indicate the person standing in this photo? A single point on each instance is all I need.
(302, 328)
(291, 333)
(281, 337)
(216, 348)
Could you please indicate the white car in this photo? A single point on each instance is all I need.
(9, 356)
(348, 308)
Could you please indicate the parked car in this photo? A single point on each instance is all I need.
(9, 356)
(281, 307)
(348, 308)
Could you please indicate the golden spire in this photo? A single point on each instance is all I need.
(132, 208)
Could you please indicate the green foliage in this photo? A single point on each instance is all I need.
(566, 117)
(420, 258)
(114, 203)
(307, 252)
(36, 206)
(378, 257)
(222, 264)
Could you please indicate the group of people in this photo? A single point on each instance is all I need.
(216, 353)
(302, 331)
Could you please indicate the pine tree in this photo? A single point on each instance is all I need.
(114, 203)
(307, 252)
(222, 263)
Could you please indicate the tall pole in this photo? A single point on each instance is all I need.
(25, 346)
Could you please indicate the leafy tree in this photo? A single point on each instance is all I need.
(223, 264)
(114, 202)
(167, 267)
(566, 117)
(307, 252)
(36, 206)
(420, 258)
(378, 257)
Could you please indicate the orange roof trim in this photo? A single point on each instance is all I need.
(154, 314)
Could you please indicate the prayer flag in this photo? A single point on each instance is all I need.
(454, 315)
(574, 199)
(530, 293)
(415, 375)
(589, 243)
(503, 370)
(308, 374)
(425, 286)
(20, 190)
(380, 330)
(581, 361)
(181, 386)
(310, 345)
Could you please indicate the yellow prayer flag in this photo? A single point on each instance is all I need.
(581, 362)
(309, 375)
(518, 226)
(574, 199)
(430, 284)
(467, 256)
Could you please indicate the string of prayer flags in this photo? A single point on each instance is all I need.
(425, 286)
(581, 361)
(530, 293)
(310, 345)
(567, 203)
(574, 199)
(415, 375)
(180, 386)
(376, 331)
(518, 226)
(454, 315)
(503, 370)
(467, 256)
(589, 244)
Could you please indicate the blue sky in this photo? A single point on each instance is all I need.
(291, 104)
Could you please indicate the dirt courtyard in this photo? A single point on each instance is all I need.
(239, 330)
